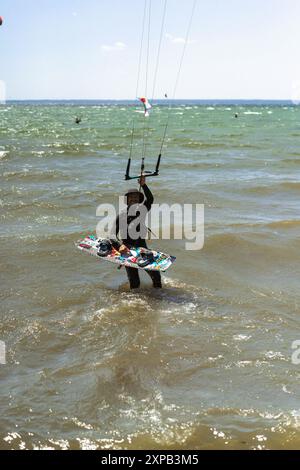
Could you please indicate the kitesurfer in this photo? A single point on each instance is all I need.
(142, 204)
(78, 120)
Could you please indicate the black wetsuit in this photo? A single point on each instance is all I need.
(123, 221)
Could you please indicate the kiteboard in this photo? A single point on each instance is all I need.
(140, 258)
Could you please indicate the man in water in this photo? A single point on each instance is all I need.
(78, 120)
(137, 206)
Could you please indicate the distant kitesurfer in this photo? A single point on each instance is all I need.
(78, 120)
(146, 104)
(142, 204)
(236, 115)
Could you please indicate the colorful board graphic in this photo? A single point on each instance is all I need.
(140, 258)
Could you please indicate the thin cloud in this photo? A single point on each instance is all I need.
(117, 46)
(178, 39)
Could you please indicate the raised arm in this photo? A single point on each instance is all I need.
(148, 195)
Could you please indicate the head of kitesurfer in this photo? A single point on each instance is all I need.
(133, 196)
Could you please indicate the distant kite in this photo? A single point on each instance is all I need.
(147, 105)
(1, 20)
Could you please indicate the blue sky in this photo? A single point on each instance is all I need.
(89, 49)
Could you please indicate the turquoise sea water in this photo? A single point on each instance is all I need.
(204, 363)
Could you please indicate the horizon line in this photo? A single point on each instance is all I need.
(164, 100)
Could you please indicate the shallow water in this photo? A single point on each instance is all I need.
(204, 363)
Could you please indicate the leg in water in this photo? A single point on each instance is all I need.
(133, 277)
(156, 278)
